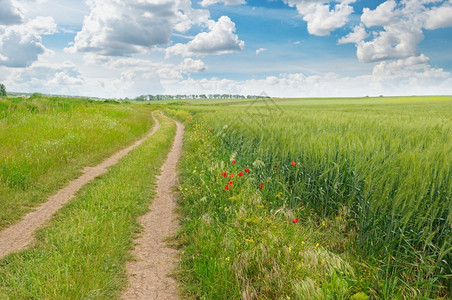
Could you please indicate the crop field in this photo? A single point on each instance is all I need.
(303, 101)
(319, 200)
(278, 198)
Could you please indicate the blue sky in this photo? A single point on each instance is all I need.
(285, 48)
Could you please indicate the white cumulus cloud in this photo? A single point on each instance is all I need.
(357, 35)
(394, 78)
(414, 74)
(396, 29)
(191, 65)
(220, 39)
(9, 13)
(320, 18)
(141, 76)
(439, 17)
(407, 69)
(46, 78)
(143, 68)
(20, 45)
(399, 40)
(122, 28)
(383, 15)
(226, 2)
(260, 50)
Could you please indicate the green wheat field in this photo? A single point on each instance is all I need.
(278, 198)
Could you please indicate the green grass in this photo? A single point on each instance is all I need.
(372, 186)
(45, 142)
(81, 254)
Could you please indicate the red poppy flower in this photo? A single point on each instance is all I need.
(293, 163)
(295, 220)
(247, 170)
(261, 186)
(233, 162)
(225, 174)
(232, 175)
(276, 166)
(226, 187)
(231, 183)
(241, 174)
(211, 130)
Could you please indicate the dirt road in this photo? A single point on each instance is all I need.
(154, 260)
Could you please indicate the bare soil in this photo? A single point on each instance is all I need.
(148, 274)
(20, 235)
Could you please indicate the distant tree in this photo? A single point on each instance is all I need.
(141, 98)
(2, 90)
(194, 96)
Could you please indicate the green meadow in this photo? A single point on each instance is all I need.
(45, 142)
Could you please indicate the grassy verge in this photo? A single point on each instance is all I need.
(82, 252)
(45, 142)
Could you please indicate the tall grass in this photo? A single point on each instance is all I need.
(387, 166)
(82, 252)
(45, 142)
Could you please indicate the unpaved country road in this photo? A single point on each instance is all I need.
(154, 260)
(20, 235)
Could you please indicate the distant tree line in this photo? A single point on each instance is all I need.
(2, 90)
(191, 97)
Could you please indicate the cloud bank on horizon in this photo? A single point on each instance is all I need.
(286, 48)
